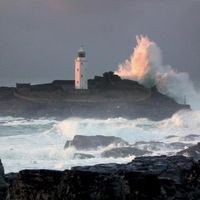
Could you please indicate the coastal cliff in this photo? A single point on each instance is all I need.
(107, 96)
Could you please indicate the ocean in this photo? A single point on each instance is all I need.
(39, 143)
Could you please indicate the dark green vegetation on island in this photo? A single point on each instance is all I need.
(107, 96)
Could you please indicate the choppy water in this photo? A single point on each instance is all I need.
(38, 143)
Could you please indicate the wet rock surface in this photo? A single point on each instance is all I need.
(82, 156)
(123, 152)
(81, 142)
(191, 137)
(158, 146)
(151, 145)
(3, 183)
(193, 151)
(145, 178)
(87, 147)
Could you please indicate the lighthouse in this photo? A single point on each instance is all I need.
(81, 81)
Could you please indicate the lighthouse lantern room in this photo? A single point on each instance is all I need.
(81, 81)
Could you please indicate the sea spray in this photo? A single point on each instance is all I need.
(43, 146)
(145, 66)
(180, 124)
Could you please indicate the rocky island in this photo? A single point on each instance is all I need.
(106, 96)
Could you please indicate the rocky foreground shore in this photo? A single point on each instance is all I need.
(145, 178)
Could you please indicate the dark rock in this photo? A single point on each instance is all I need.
(103, 99)
(82, 156)
(151, 145)
(1, 169)
(35, 185)
(10, 177)
(81, 142)
(3, 184)
(171, 136)
(161, 165)
(124, 152)
(193, 151)
(191, 137)
(145, 178)
(179, 145)
(164, 166)
(100, 168)
(158, 146)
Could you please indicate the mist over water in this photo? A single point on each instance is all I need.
(145, 66)
(39, 143)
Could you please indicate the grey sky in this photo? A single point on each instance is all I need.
(39, 38)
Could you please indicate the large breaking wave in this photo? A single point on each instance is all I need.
(145, 66)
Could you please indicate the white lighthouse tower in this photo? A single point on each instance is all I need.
(81, 81)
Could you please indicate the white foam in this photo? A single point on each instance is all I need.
(43, 146)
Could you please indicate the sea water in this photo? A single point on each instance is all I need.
(39, 143)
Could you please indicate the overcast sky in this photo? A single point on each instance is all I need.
(39, 38)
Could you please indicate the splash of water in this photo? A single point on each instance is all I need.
(38, 143)
(145, 66)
